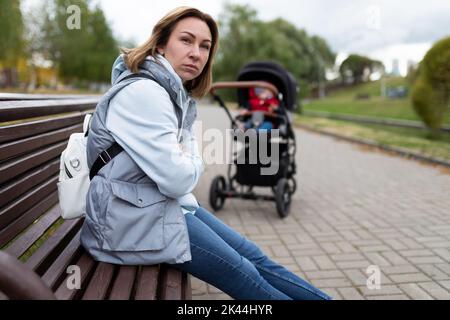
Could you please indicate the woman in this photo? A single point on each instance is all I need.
(140, 209)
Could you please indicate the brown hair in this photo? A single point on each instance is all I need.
(199, 86)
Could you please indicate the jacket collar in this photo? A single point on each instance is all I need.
(165, 74)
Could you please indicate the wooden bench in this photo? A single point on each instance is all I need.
(36, 245)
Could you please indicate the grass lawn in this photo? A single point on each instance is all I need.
(343, 102)
(410, 139)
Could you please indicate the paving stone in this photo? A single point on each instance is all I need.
(435, 290)
(328, 274)
(383, 291)
(306, 264)
(409, 278)
(350, 293)
(324, 262)
(415, 291)
(332, 283)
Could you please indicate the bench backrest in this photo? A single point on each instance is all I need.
(33, 133)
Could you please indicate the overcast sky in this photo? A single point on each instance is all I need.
(382, 29)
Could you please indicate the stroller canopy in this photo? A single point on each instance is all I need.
(271, 72)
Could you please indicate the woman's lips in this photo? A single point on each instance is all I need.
(191, 67)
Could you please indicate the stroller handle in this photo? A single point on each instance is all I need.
(243, 84)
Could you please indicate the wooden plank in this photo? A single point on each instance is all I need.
(123, 284)
(20, 283)
(171, 288)
(97, 288)
(87, 267)
(58, 269)
(147, 283)
(187, 288)
(15, 209)
(18, 166)
(28, 96)
(23, 146)
(8, 233)
(49, 251)
(16, 188)
(26, 240)
(15, 110)
(31, 128)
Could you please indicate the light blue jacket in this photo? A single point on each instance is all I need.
(133, 211)
(141, 118)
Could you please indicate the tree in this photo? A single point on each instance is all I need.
(11, 38)
(245, 38)
(431, 91)
(81, 54)
(357, 69)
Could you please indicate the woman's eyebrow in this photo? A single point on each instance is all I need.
(193, 36)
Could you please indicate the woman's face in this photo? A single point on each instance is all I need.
(188, 48)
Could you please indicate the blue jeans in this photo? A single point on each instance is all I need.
(230, 262)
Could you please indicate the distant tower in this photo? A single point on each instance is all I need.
(395, 67)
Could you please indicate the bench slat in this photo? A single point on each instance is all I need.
(41, 260)
(20, 246)
(123, 285)
(59, 266)
(20, 186)
(171, 286)
(31, 128)
(147, 283)
(187, 290)
(3, 296)
(32, 96)
(15, 110)
(87, 267)
(17, 166)
(18, 207)
(26, 145)
(8, 233)
(97, 288)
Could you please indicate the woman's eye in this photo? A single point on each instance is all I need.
(206, 47)
(185, 40)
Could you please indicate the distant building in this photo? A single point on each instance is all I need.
(395, 67)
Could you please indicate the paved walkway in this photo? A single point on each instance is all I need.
(354, 207)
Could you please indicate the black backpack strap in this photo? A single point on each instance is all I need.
(103, 158)
(107, 155)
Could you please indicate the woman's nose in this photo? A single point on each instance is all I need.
(195, 51)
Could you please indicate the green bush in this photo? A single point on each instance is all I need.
(426, 105)
(431, 91)
(436, 65)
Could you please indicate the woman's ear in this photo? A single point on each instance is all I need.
(160, 51)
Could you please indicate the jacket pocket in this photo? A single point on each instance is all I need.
(134, 218)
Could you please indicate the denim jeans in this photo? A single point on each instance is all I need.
(230, 262)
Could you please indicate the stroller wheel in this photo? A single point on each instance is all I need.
(283, 197)
(216, 196)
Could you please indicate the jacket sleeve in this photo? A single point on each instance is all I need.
(190, 144)
(142, 120)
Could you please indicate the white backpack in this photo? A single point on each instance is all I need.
(74, 179)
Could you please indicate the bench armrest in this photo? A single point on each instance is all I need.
(19, 282)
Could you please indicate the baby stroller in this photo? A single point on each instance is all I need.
(239, 184)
